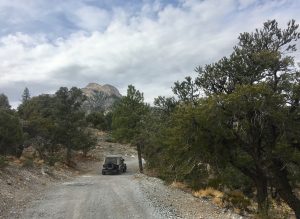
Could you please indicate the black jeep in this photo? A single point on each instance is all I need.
(113, 164)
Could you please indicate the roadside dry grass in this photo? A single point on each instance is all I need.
(237, 202)
(216, 195)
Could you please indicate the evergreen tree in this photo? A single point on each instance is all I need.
(38, 118)
(4, 103)
(70, 120)
(251, 110)
(11, 134)
(25, 95)
(248, 122)
(128, 120)
(100, 120)
(52, 121)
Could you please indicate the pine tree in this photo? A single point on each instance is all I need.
(4, 104)
(251, 114)
(129, 118)
(25, 95)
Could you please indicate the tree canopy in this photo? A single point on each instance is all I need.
(246, 124)
(4, 103)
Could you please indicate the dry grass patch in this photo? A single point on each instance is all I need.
(211, 193)
(208, 192)
(234, 199)
(279, 209)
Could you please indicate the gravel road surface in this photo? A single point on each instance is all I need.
(130, 195)
(95, 196)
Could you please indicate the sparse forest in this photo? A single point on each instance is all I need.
(51, 123)
(236, 126)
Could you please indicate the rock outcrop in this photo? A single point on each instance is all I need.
(100, 98)
(30, 153)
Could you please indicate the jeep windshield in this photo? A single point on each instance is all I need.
(111, 160)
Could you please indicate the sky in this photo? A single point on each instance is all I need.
(47, 44)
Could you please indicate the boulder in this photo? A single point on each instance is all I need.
(29, 153)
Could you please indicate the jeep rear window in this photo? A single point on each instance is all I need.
(111, 160)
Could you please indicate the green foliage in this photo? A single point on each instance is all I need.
(259, 56)
(70, 121)
(25, 95)
(236, 199)
(109, 138)
(187, 91)
(248, 113)
(11, 134)
(53, 120)
(233, 179)
(38, 117)
(100, 120)
(128, 117)
(246, 128)
(53, 158)
(165, 105)
(3, 161)
(4, 104)
(85, 141)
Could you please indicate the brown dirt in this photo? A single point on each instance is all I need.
(19, 185)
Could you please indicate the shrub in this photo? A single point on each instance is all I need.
(28, 162)
(3, 161)
(110, 139)
(52, 159)
(236, 199)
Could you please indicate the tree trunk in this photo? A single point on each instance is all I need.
(262, 195)
(261, 184)
(289, 197)
(284, 188)
(139, 150)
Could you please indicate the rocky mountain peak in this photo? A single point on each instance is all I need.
(100, 97)
(93, 88)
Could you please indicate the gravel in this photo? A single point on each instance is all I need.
(20, 185)
(92, 195)
(175, 203)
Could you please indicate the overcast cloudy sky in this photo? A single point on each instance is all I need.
(46, 44)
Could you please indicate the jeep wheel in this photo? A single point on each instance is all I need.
(103, 172)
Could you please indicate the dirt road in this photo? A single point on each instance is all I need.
(95, 196)
(67, 195)
(130, 195)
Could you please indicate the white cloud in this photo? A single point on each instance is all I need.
(91, 18)
(151, 48)
(245, 3)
